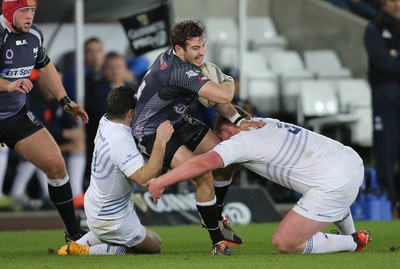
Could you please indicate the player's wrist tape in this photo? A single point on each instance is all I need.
(65, 101)
(236, 119)
(228, 78)
(239, 121)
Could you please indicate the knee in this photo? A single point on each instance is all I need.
(282, 245)
(56, 168)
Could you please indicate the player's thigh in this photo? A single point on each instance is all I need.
(207, 143)
(151, 244)
(181, 154)
(295, 229)
(41, 149)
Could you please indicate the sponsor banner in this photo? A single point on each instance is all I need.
(242, 206)
(150, 29)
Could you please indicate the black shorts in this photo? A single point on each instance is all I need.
(18, 127)
(189, 132)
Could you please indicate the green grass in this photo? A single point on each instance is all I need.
(189, 247)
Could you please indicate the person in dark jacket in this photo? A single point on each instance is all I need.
(382, 43)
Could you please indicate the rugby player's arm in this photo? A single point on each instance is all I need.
(154, 166)
(4, 85)
(229, 112)
(50, 80)
(218, 93)
(191, 168)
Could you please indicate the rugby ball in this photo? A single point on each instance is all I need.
(206, 103)
(214, 74)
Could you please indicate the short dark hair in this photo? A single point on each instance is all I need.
(119, 101)
(185, 30)
(112, 55)
(220, 121)
(92, 40)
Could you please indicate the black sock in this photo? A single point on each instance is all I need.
(208, 214)
(61, 197)
(220, 193)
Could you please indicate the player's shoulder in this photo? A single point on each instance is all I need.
(2, 28)
(36, 31)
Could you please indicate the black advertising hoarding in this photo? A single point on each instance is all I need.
(242, 206)
(149, 29)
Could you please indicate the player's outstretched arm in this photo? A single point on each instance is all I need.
(218, 93)
(153, 167)
(50, 81)
(189, 169)
(244, 123)
(220, 89)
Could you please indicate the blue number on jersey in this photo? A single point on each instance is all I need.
(294, 129)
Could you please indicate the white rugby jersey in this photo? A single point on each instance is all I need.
(115, 157)
(285, 154)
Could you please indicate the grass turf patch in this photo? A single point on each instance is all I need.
(189, 247)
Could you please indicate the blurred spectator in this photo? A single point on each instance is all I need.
(114, 73)
(138, 65)
(363, 8)
(382, 42)
(94, 58)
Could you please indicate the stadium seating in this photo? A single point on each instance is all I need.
(325, 63)
(291, 70)
(222, 32)
(289, 65)
(355, 99)
(264, 92)
(353, 92)
(263, 37)
(319, 106)
(262, 83)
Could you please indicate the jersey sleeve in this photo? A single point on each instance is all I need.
(233, 150)
(42, 58)
(126, 156)
(188, 77)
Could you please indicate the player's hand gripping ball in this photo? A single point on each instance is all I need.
(214, 74)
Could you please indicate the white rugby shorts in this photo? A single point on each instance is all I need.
(330, 201)
(126, 232)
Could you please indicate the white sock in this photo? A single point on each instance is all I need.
(327, 243)
(104, 249)
(346, 225)
(3, 166)
(24, 173)
(89, 239)
(76, 163)
(222, 183)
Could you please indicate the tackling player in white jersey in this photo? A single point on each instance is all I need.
(326, 172)
(117, 165)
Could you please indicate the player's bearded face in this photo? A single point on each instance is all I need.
(24, 18)
(195, 51)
